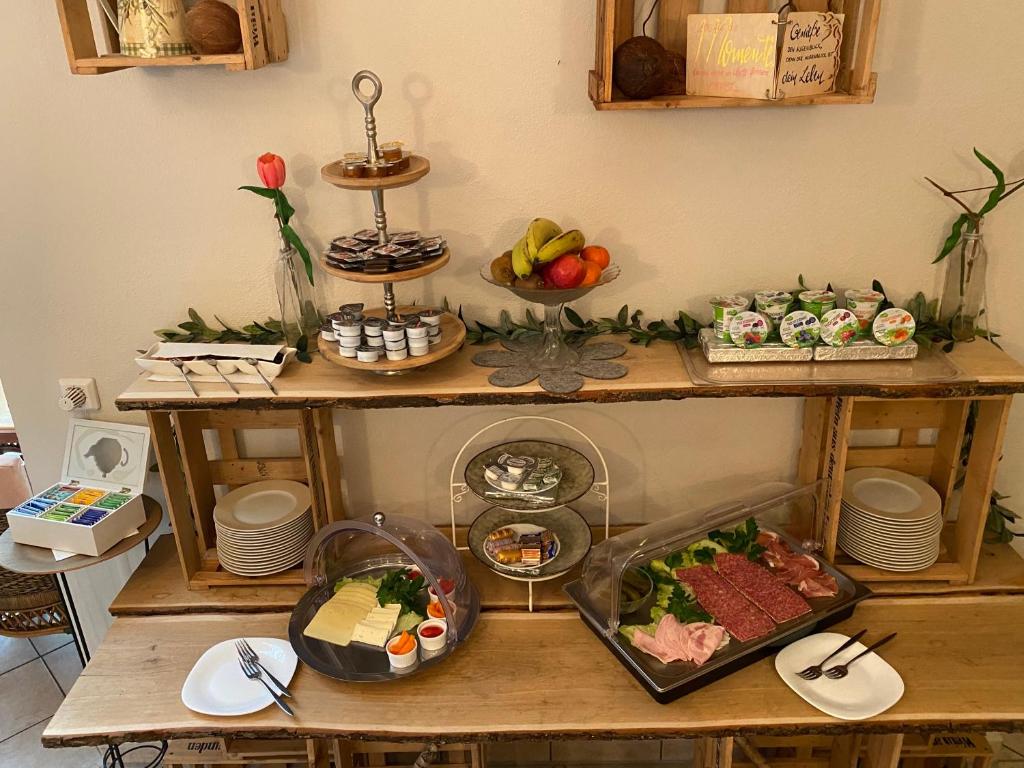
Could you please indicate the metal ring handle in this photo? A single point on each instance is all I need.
(367, 101)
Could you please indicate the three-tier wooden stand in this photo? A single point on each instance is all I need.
(453, 332)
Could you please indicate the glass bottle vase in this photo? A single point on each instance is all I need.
(963, 294)
(296, 298)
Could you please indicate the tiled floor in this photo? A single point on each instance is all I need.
(35, 675)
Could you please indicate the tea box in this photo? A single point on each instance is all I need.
(98, 500)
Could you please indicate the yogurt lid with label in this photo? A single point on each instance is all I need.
(799, 329)
(867, 295)
(765, 298)
(749, 329)
(893, 326)
(730, 302)
(817, 297)
(839, 327)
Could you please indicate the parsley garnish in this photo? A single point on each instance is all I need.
(684, 607)
(742, 539)
(396, 587)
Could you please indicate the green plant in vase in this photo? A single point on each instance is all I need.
(963, 294)
(300, 316)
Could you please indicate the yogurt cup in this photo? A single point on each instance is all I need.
(432, 634)
(774, 305)
(400, 344)
(748, 330)
(394, 333)
(350, 341)
(431, 316)
(347, 351)
(800, 329)
(817, 302)
(374, 326)
(375, 341)
(419, 351)
(725, 309)
(893, 326)
(839, 327)
(398, 354)
(864, 303)
(327, 333)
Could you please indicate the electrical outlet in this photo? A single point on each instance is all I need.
(78, 395)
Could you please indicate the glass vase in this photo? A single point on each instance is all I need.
(963, 295)
(553, 352)
(296, 298)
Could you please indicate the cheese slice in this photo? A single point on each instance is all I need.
(370, 635)
(334, 623)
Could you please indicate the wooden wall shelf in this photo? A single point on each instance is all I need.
(615, 24)
(264, 41)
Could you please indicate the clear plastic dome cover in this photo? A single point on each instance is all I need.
(355, 547)
(598, 591)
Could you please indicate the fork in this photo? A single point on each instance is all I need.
(213, 363)
(842, 670)
(246, 652)
(252, 672)
(814, 671)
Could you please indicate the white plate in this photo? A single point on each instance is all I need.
(889, 544)
(282, 533)
(262, 506)
(544, 487)
(217, 686)
(224, 537)
(871, 687)
(889, 565)
(895, 526)
(889, 494)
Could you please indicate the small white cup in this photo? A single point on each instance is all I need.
(398, 354)
(432, 643)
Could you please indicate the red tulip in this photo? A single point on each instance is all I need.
(271, 169)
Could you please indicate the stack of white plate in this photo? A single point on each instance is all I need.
(264, 527)
(889, 519)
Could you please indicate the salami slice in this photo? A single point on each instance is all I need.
(741, 618)
(761, 587)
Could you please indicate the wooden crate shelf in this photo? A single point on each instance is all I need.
(264, 41)
(616, 23)
(190, 475)
(827, 453)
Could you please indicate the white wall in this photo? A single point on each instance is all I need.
(119, 207)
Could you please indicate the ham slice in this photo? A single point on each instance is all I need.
(673, 641)
(797, 570)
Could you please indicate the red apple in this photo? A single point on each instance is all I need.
(566, 271)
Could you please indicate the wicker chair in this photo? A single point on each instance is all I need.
(30, 605)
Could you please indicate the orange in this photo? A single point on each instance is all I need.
(597, 254)
(593, 273)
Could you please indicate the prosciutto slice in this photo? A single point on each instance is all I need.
(673, 641)
(797, 570)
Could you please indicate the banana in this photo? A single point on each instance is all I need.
(567, 242)
(522, 264)
(539, 233)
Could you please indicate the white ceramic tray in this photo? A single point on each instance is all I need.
(157, 361)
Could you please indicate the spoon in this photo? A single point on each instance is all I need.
(255, 364)
(177, 363)
(213, 362)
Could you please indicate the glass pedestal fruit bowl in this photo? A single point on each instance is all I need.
(551, 351)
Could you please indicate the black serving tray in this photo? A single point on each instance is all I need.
(668, 682)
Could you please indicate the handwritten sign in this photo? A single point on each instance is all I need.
(760, 56)
(809, 59)
(731, 54)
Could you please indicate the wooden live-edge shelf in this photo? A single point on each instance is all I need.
(958, 657)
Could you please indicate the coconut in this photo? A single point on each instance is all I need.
(641, 67)
(213, 27)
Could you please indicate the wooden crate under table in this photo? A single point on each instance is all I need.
(826, 453)
(190, 475)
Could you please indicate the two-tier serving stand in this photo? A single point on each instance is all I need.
(453, 332)
(566, 523)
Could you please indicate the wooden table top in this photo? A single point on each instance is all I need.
(523, 676)
(157, 586)
(655, 373)
(22, 558)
